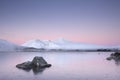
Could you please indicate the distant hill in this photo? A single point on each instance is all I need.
(54, 45)
(60, 44)
(8, 46)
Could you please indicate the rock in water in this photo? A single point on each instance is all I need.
(37, 62)
(114, 56)
(25, 65)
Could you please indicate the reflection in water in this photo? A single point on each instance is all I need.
(36, 70)
(117, 62)
(66, 66)
(27, 70)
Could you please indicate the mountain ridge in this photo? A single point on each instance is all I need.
(60, 44)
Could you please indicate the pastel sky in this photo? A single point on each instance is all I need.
(91, 21)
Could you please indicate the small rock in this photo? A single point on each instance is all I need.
(115, 56)
(25, 65)
(37, 63)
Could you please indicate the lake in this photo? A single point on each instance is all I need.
(65, 66)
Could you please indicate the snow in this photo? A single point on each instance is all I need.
(51, 44)
(41, 44)
(34, 43)
(60, 44)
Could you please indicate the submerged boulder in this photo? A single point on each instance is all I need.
(36, 64)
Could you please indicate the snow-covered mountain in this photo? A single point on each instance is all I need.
(60, 44)
(8, 46)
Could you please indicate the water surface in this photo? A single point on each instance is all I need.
(65, 66)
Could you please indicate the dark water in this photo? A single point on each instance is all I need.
(65, 66)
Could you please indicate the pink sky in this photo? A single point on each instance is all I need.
(95, 21)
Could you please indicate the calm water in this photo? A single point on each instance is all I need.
(65, 66)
